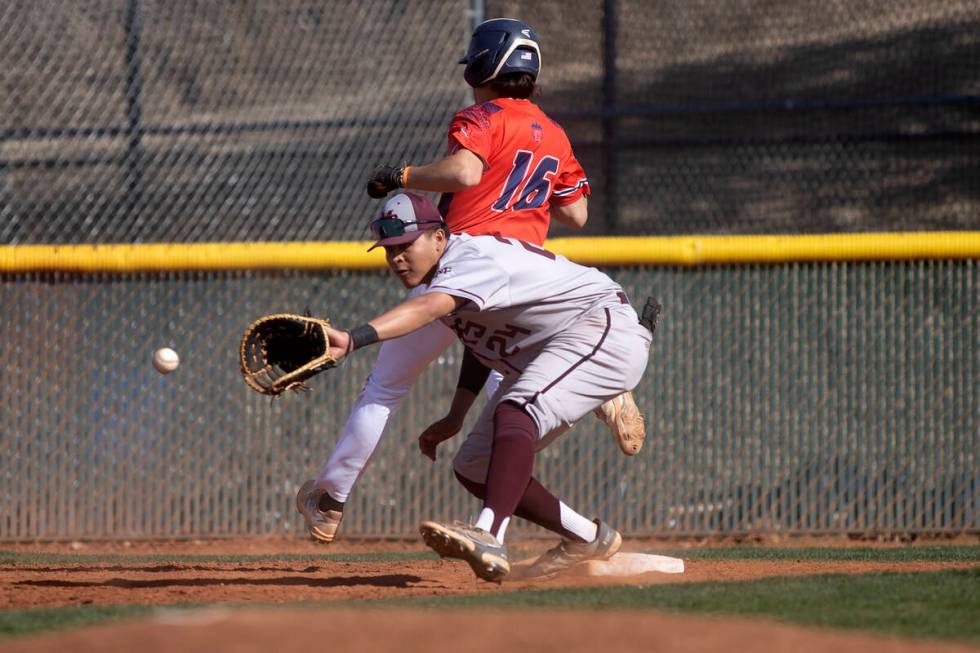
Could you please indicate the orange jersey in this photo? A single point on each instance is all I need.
(528, 166)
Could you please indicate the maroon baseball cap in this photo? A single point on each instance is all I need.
(403, 218)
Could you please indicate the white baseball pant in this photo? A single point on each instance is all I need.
(602, 356)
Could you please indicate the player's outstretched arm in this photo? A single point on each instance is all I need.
(458, 171)
(408, 316)
(573, 215)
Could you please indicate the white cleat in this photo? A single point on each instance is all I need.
(625, 422)
(568, 554)
(486, 556)
(322, 524)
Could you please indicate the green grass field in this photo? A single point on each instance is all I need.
(941, 604)
(857, 554)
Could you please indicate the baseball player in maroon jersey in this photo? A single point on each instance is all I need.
(509, 169)
(562, 336)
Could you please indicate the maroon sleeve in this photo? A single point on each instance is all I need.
(472, 373)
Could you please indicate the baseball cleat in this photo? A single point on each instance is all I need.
(567, 553)
(486, 556)
(322, 524)
(625, 422)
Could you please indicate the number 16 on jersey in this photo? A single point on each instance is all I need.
(534, 188)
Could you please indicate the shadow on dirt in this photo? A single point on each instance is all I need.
(391, 580)
(153, 569)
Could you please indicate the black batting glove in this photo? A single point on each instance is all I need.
(384, 180)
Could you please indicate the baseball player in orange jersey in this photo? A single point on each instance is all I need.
(564, 339)
(508, 170)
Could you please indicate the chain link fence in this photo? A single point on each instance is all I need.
(760, 117)
(796, 398)
(184, 120)
(180, 121)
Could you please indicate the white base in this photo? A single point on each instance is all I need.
(630, 564)
(621, 564)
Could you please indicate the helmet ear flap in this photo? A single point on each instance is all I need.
(478, 67)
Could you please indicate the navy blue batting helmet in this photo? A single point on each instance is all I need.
(498, 47)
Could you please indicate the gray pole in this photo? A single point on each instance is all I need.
(477, 14)
(610, 18)
(134, 109)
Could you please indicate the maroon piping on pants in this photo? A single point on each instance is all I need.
(578, 362)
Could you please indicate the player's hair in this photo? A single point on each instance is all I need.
(443, 227)
(514, 85)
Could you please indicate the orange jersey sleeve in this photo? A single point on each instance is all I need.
(528, 165)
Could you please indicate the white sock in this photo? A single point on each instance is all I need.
(502, 530)
(485, 521)
(573, 522)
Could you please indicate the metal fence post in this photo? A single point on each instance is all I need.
(610, 18)
(134, 164)
(476, 14)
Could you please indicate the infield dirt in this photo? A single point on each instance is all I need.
(123, 582)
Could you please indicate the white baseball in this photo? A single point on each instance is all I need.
(165, 360)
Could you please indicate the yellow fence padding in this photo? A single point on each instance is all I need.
(612, 251)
